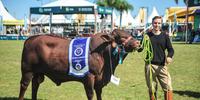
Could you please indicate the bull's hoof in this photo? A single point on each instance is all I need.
(58, 83)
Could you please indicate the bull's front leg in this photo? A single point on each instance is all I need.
(89, 86)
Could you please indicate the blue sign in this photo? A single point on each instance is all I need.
(104, 10)
(4, 37)
(70, 10)
(62, 10)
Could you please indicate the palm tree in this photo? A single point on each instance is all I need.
(119, 5)
(107, 3)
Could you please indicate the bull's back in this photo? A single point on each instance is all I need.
(44, 52)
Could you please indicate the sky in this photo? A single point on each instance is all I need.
(20, 8)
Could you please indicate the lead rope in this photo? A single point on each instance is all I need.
(111, 66)
(148, 56)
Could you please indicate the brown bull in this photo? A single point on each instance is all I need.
(48, 55)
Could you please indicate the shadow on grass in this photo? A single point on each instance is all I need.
(188, 93)
(15, 98)
(183, 43)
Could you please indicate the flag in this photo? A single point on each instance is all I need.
(175, 23)
(170, 28)
(25, 23)
(1, 23)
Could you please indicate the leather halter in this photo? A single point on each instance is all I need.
(127, 40)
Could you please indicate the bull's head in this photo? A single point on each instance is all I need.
(126, 40)
(117, 38)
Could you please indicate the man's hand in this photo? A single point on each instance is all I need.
(140, 49)
(169, 60)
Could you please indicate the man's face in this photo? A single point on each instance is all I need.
(157, 23)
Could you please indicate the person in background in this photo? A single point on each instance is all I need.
(192, 35)
(196, 37)
(156, 70)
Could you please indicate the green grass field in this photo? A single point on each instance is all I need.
(185, 73)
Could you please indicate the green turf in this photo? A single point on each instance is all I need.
(185, 73)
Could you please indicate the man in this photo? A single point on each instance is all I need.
(156, 69)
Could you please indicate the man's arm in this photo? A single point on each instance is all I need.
(170, 51)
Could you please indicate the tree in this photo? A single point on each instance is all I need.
(119, 5)
(106, 3)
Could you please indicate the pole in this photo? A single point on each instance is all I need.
(50, 23)
(95, 21)
(186, 33)
(29, 29)
(112, 25)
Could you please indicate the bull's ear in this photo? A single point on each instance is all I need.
(114, 32)
(107, 38)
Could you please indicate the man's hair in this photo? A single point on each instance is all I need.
(156, 17)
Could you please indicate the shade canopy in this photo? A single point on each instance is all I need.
(4, 13)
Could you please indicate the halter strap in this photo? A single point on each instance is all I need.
(126, 41)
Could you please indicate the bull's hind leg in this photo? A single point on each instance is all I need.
(37, 79)
(25, 80)
(89, 86)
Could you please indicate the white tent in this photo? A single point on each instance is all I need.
(114, 16)
(153, 14)
(90, 18)
(137, 21)
(4, 13)
(164, 18)
(141, 17)
(44, 19)
(127, 20)
(66, 18)
(70, 3)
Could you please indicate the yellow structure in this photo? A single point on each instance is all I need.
(180, 12)
(13, 22)
(142, 15)
(81, 18)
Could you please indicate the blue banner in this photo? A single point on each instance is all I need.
(78, 57)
